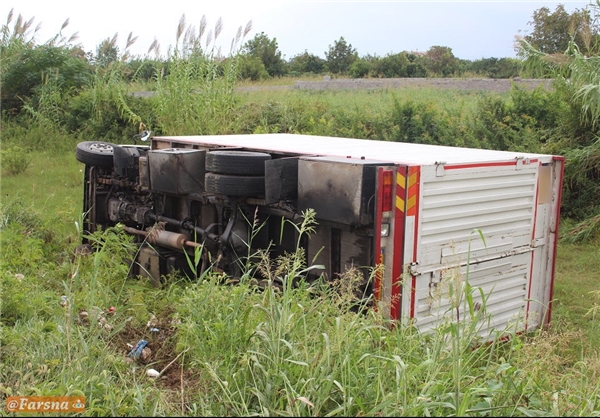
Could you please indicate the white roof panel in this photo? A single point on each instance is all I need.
(396, 152)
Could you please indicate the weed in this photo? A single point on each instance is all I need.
(15, 160)
(295, 349)
(196, 95)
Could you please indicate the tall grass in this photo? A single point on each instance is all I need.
(302, 351)
(108, 90)
(421, 115)
(200, 82)
(281, 350)
(49, 349)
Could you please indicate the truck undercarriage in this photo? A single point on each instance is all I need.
(221, 206)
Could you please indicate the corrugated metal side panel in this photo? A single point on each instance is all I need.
(499, 201)
(503, 281)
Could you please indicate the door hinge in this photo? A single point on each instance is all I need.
(439, 168)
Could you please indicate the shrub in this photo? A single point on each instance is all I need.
(415, 69)
(15, 160)
(494, 67)
(252, 68)
(307, 63)
(392, 65)
(360, 68)
(582, 182)
(21, 76)
(503, 125)
(418, 123)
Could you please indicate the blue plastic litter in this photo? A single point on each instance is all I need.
(137, 350)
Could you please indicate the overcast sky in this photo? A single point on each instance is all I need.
(473, 29)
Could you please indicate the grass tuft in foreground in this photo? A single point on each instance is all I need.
(296, 348)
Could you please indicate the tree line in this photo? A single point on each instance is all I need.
(551, 33)
(25, 64)
(342, 59)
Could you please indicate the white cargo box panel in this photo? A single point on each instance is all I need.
(294, 144)
(445, 197)
(498, 221)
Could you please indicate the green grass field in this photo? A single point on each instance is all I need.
(242, 352)
(233, 350)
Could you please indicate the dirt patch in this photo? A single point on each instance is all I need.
(159, 353)
(466, 84)
(484, 84)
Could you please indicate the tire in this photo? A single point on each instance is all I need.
(230, 185)
(246, 163)
(95, 153)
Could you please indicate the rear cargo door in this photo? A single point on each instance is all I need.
(474, 222)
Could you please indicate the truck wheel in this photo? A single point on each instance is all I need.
(230, 185)
(246, 163)
(95, 153)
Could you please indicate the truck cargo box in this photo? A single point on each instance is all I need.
(427, 215)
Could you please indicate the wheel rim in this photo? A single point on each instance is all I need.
(100, 147)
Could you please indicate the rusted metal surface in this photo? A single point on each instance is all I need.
(177, 171)
(338, 189)
(281, 180)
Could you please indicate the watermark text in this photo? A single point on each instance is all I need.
(45, 403)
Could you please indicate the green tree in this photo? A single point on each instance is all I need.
(415, 67)
(307, 63)
(392, 65)
(138, 69)
(23, 78)
(268, 52)
(340, 56)
(441, 61)
(577, 82)
(25, 66)
(107, 52)
(252, 68)
(494, 67)
(361, 68)
(552, 31)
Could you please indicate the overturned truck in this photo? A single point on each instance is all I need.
(422, 214)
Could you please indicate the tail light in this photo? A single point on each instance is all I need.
(388, 190)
